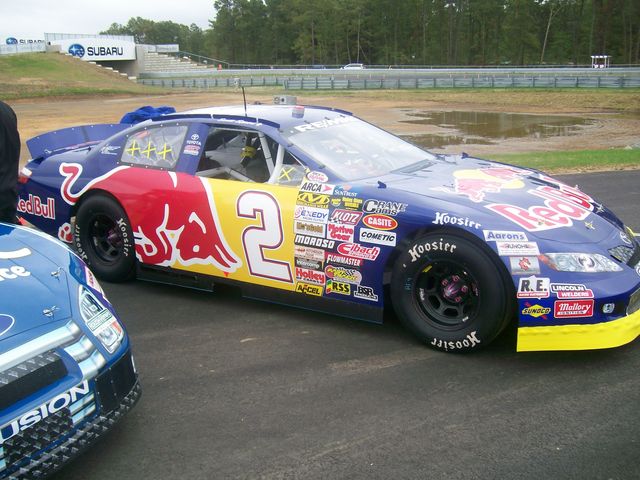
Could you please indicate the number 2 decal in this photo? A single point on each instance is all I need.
(259, 239)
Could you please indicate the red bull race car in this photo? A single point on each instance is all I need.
(316, 208)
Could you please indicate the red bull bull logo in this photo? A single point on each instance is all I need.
(475, 183)
(177, 224)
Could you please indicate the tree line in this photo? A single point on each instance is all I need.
(405, 32)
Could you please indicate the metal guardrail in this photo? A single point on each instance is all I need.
(452, 81)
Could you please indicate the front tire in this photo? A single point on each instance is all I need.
(104, 240)
(451, 293)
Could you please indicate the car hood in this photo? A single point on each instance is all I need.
(34, 285)
(518, 198)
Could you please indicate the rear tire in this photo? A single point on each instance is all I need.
(451, 293)
(104, 240)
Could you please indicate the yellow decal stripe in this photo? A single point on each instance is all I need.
(580, 337)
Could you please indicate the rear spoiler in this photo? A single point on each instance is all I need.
(72, 138)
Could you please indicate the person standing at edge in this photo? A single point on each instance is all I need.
(9, 161)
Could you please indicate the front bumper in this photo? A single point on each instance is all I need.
(580, 337)
(117, 390)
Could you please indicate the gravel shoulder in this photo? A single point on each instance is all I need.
(608, 130)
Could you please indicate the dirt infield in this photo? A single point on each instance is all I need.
(609, 130)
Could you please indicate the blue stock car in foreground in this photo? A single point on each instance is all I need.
(316, 208)
(66, 370)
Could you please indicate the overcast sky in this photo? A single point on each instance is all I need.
(31, 19)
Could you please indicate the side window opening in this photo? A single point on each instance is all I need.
(243, 155)
(155, 147)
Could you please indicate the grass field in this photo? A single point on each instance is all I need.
(575, 161)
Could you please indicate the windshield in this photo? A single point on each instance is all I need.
(353, 149)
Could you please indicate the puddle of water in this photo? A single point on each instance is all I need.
(486, 128)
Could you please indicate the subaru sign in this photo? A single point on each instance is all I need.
(98, 49)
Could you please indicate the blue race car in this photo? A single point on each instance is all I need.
(314, 207)
(66, 370)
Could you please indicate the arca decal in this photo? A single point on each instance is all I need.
(183, 228)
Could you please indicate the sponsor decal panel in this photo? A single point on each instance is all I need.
(358, 251)
(306, 263)
(384, 207)
(310, 276)
(380, 222)
(310, 228)
(346, 217)
(504, 235)
(347, 202)
(365, 293)
(340, 232)
(309, 289)
(536, 311)
(317, 177)
(340, 288)
(315, 187)
(524, 265)
(445, 218)
(573, 308)
(571, 290)
(369, 235)
(533, 287)
(34, 205)
(335, 258)
(517, 248)
(309, 253)
(309, 199)
(311, 214)
(342, 274)
(314, 241)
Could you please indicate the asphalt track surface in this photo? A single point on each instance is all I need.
(234, 388)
